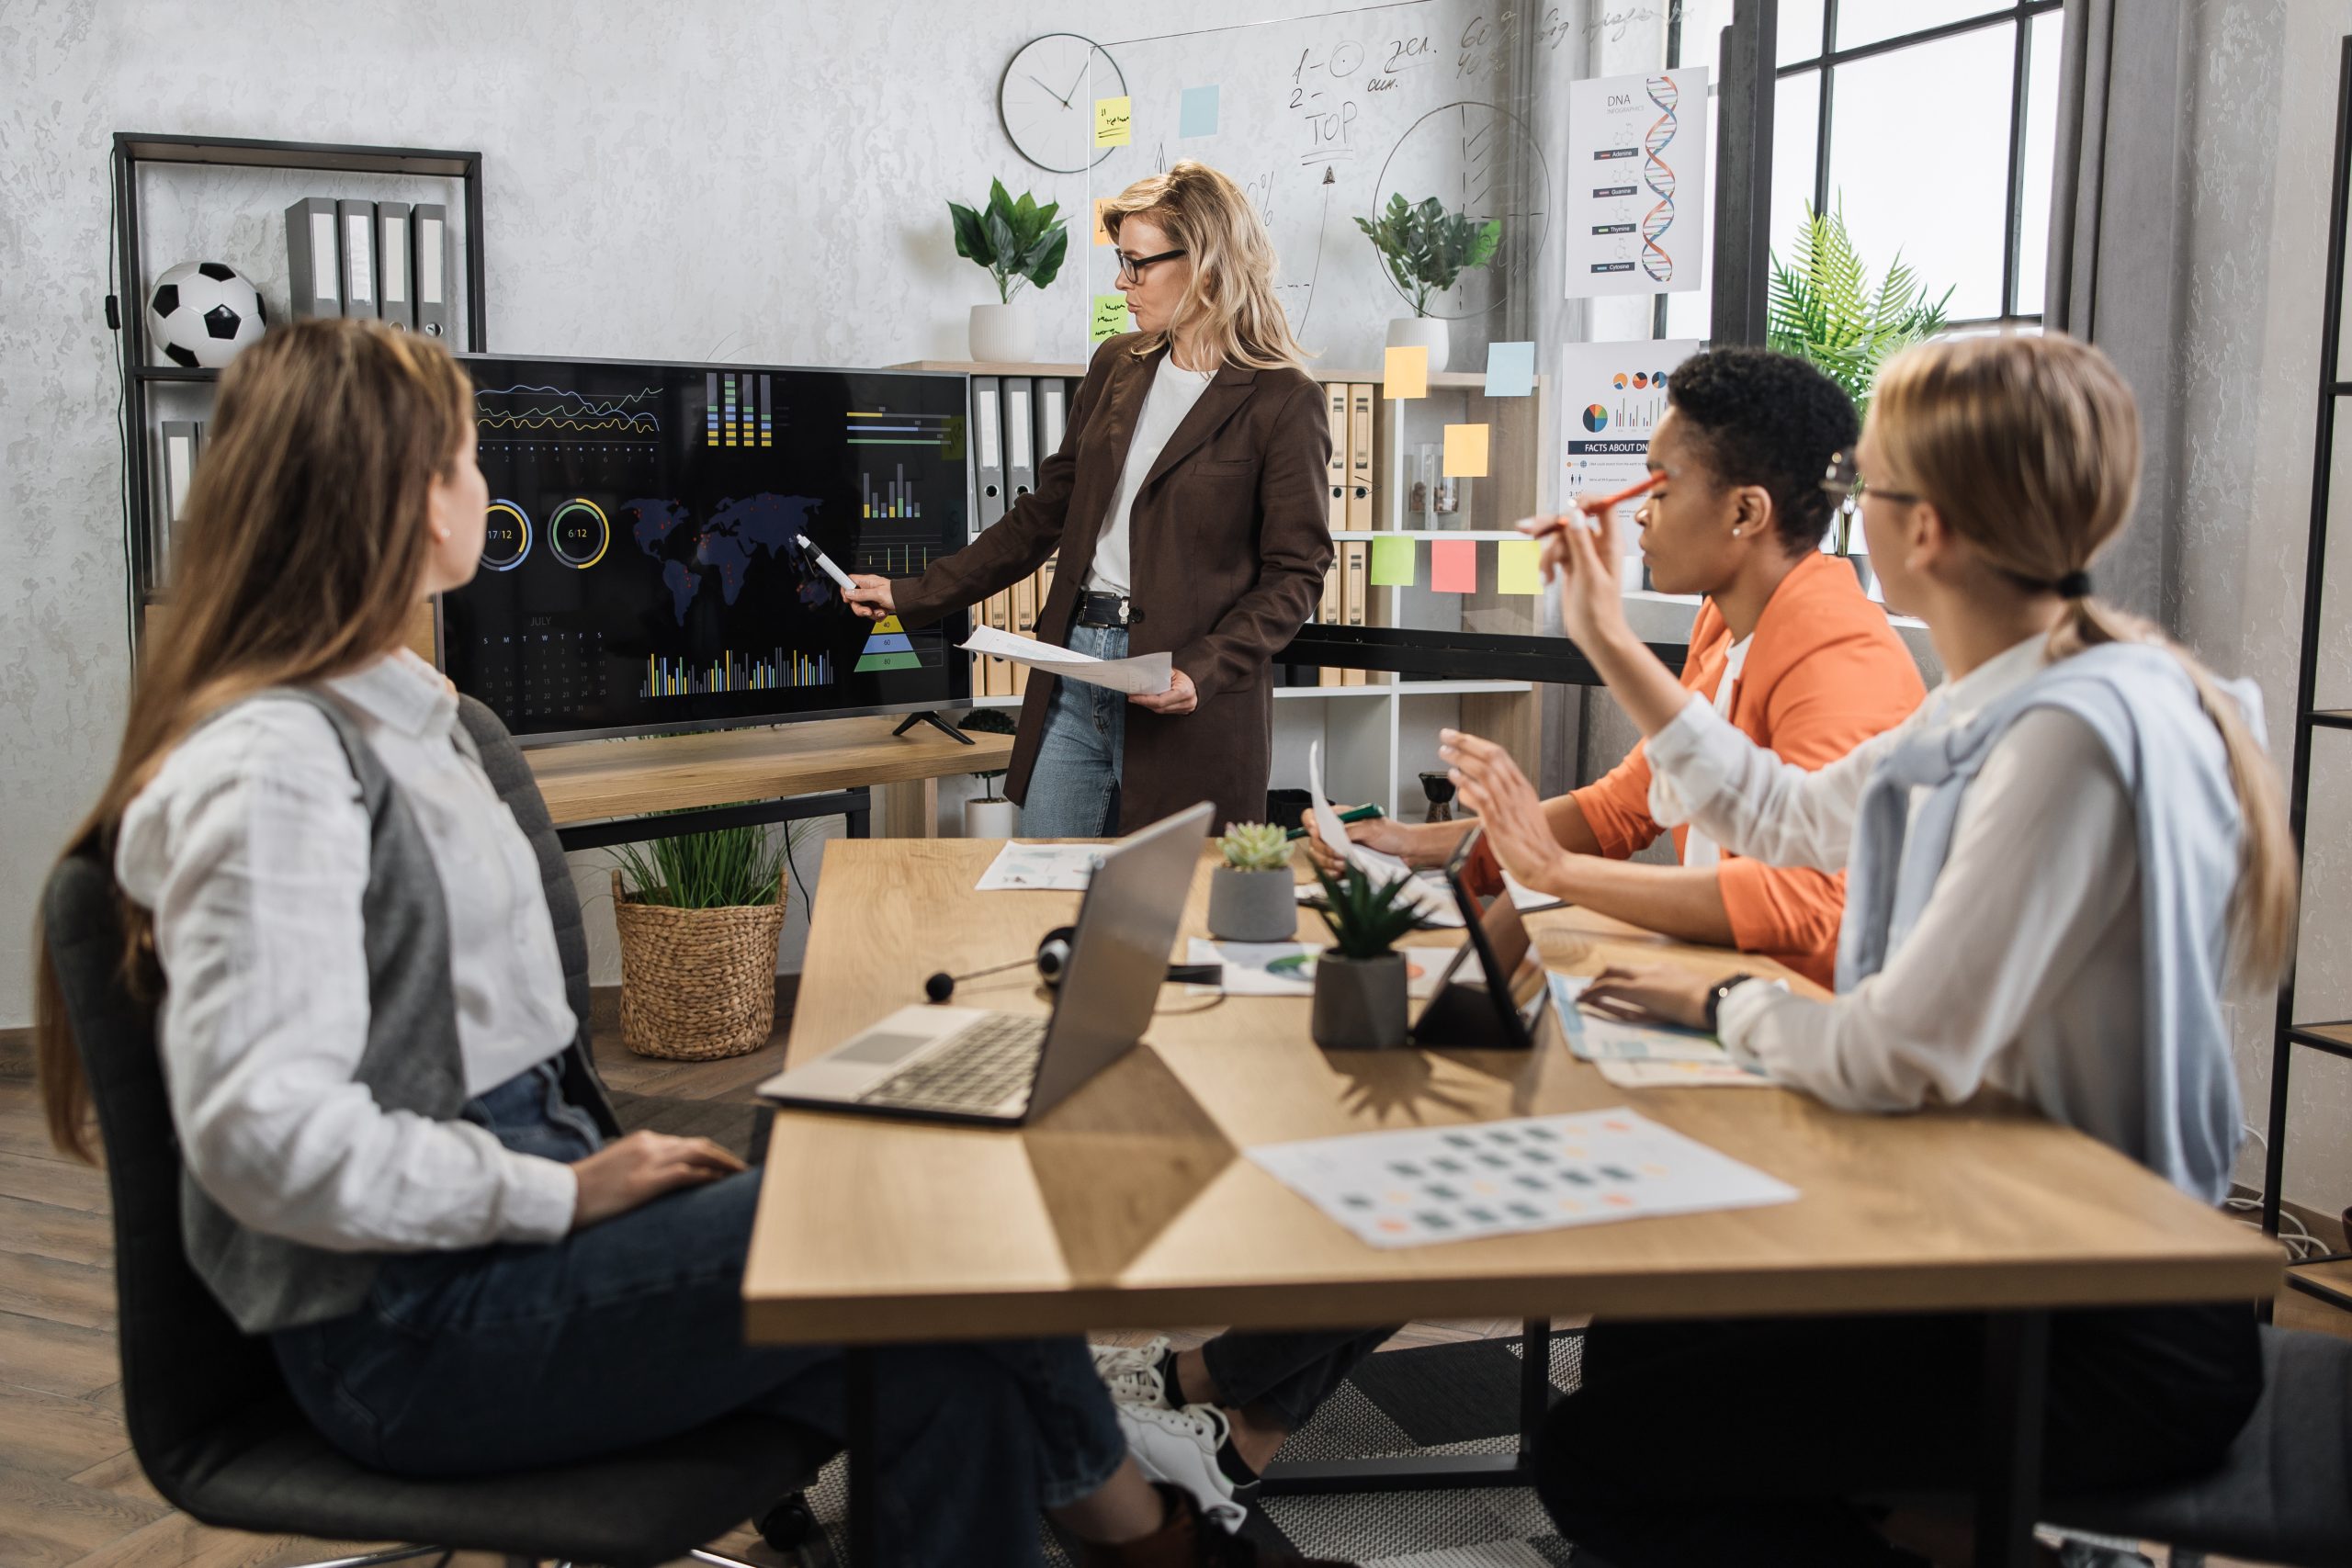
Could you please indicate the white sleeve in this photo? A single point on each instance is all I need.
(252, 849)
(2044, 858)
(1706, 772)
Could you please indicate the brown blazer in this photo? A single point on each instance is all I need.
(1228, 541)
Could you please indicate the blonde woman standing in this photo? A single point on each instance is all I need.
(1188, 506)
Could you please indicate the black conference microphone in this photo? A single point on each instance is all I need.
(1051, 958)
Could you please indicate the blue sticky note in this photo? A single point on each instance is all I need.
(1510, 369)
(1198, 117)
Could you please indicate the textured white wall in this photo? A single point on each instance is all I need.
(742, 179)
(2262, 115)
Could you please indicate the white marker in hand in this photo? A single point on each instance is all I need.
(825, 563)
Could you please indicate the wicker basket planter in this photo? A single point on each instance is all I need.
(696, 985)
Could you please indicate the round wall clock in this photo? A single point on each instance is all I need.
(1047, 100)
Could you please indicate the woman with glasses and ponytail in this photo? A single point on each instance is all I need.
(1188, 505)
(2056, 870)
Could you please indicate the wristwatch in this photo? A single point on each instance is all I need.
(1715, 998)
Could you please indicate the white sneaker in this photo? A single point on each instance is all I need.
(1132, 1374)
(1180, 1447)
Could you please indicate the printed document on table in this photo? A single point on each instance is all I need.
(1040, 868)
(1418, 1184)
(1646, 1056)
(1287, 968)
(1146, 674)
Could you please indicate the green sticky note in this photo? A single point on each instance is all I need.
(1109, 317)
(1394, 561)
(1519, 566)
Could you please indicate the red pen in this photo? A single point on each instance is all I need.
(1606, 504)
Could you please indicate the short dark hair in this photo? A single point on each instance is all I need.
(1770, 420)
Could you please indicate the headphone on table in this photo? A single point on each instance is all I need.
(1052, 961)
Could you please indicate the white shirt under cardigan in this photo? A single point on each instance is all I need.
(251, 846)
(2028, 952)
(1173, 393)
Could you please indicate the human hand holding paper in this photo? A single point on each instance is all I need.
(1146, 672)
(1381, 867)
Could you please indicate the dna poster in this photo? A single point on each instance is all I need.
(1637, 198)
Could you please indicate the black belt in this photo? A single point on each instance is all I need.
(1106, 610)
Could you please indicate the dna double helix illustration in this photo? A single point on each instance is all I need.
(1659, 175)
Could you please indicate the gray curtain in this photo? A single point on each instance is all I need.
(2118, 236)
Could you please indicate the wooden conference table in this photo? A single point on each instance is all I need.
(1132, 1205)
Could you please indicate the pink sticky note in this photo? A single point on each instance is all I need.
(1453, 566)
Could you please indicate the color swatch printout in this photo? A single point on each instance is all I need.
(1428, 1184)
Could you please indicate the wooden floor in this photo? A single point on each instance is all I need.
(70, 1491)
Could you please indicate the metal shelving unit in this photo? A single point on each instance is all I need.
(2324, 1278)
(134, 150)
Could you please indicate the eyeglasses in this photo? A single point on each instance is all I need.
(1131, 268)
(1844, 483)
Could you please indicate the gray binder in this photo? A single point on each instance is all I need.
(394, 265)
(358, 257)
(434, 274)
(1020, 448)
(988, 448)
(1053, 415)
(313, 258)
(182, 440)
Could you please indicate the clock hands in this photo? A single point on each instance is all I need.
(1066, 103)
(1073, 86)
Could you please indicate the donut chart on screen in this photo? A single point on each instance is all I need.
(506, 537)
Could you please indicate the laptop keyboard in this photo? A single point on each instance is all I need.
(972, 1072)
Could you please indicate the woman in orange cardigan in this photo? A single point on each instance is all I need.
(1786, 645)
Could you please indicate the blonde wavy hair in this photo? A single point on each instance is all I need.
(1228, 308)
(2029, 447)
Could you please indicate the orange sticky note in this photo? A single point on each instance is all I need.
(1453, 566)
(1465, 451)
(1406, 372)
(1101, 235)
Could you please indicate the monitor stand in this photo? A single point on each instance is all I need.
(929, 718)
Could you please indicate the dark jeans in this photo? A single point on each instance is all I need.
(1292, 1373)
(509, 1356)
(1750, 1442)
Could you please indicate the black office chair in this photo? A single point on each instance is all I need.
(2285, 1493)
(210, 1419)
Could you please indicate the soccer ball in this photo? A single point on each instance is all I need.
(202, 313)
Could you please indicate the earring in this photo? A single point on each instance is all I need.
(1735, 530)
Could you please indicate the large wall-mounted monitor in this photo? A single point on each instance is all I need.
(641, 570)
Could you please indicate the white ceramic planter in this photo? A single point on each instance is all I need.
(1003, 334)
(1427, 332)
(990, 817)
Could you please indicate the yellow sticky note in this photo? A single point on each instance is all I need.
(1465, 451)
(1110, 318)
(1406, 373)
(1394, 561)
(1113, 122)
(1519, 566)
(1101, 235)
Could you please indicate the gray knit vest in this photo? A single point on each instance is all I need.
(412, 1060)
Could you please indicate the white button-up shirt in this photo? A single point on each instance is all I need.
(252, 846)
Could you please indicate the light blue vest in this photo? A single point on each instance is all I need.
(2144, 709)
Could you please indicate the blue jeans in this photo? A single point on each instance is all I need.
(1074, 787)
(510, 1356)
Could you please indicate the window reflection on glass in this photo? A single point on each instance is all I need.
(1796, 125)
(1919, 155)
(2045, 44)
(1868, 21)
(1800, 37)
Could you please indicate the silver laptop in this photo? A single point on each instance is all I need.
(997, 1068)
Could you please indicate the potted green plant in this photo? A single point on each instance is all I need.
(1426, 248)
(1251, 896)
(990, 815)
(1822, 310)
(1360, 978)
(700, 917)
(1017, 242)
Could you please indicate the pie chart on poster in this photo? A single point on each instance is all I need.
(1596, 418)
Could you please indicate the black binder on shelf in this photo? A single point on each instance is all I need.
(433, 274)
(313, 258)
(358, 257)
(1020, 449)
(988, 449)
(394, 294)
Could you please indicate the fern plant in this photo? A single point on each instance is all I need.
(1365, 917)
(1823, 307)
(1425, 247)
